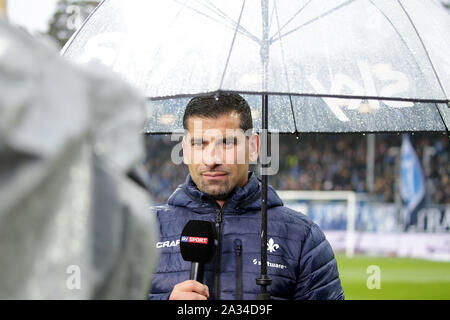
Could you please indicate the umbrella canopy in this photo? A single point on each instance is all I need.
(327, 66)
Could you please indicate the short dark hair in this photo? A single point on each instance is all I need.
(218, 104)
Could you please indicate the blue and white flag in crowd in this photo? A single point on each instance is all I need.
(412, 180)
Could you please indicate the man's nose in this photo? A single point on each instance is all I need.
(212, 155)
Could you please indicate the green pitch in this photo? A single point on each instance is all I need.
(396, 278)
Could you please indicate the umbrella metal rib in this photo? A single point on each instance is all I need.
(292, 18)
(272, 40)
(395, 30)
(424, 48)
(232, 45)
(314, 95)
(234, 24)
(405, 43)
(228, 22)
(284, 61)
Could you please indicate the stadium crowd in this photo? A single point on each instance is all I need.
(324, 162)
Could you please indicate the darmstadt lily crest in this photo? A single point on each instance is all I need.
(272, 246)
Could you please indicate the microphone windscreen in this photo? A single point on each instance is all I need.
(197, 242)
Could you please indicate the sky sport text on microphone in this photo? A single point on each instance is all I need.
(199, 240)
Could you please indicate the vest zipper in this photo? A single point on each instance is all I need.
(219, 213)
(238, 253)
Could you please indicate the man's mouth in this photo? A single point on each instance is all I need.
(214, 175)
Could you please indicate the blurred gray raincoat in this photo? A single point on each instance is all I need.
(72, 224)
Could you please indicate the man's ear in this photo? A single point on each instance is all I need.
(253, 147)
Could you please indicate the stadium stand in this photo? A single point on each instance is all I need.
(324, 162)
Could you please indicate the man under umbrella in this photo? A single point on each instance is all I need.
(221, 189)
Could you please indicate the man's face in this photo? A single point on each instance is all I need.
(217, 153)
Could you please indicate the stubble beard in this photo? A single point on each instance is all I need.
(218, 191)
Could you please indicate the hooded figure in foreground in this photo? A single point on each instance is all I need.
(73, 225)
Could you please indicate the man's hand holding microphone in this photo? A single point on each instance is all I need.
(197, 245)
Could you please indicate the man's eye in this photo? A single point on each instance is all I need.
(197, 143)
(229, 143)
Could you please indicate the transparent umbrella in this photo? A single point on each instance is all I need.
(328, 66)
(303, 65)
